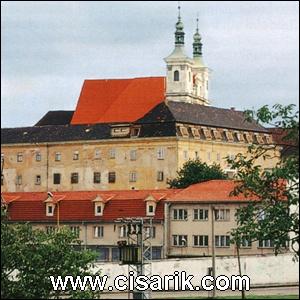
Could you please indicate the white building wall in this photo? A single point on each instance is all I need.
(262, 270)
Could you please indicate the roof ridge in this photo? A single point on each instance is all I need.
(131, 78)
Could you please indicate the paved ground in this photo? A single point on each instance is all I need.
(292, 290)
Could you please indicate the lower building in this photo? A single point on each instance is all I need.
(185, 223)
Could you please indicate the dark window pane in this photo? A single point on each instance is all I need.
(112, 177)
(74, 178)
(97, 177)
(56, 178)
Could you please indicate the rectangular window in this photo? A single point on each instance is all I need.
(160, 153)
(103, 253)
(38, 179)
(57, 156)
(200, 240)
(76, 155)
(97, 177)
(201, 214)
(19, 180)
(196, 155)
(111, 177)
(123, 231)
(132, 154)
(179, 214)
(97, 154)
(49, 210)
(266, 244)
(156, 252)
(115, 254)
(19, 157)
(218, 156)
(246, 243)
(160, 176)
(222, 241)
(222, 214)
(2, 179)
(132, 177)
(112, 153)
(38, 156)
(56, 178)
(75, 230)
(74, 178)
(98, 231)
(98, 209)
(150, 232)
(208, 155)
(185, 155)
(180, 240)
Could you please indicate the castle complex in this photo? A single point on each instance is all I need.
(129, 133)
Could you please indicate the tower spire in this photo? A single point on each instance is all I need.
(179, 33)
(197, 44)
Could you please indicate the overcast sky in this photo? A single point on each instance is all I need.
(49, 48)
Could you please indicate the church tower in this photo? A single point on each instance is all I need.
(179, 86)
(200, 71)
(186, 77)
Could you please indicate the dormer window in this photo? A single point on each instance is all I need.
(120, 131)
(176, 75)
(49, 210)
(150, 208)
(98, 209)
(259, 138)
(135, 131)
(184, 131)
(229, 136)
(207, 133)
(248, 137)
(269, 139)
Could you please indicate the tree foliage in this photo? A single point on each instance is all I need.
(195, 171)
(276, 216)
(29, 256)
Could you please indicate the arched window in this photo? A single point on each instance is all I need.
(176, 75)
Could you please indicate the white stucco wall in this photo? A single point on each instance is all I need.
(262, 270)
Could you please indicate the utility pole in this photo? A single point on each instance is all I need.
(136, 251)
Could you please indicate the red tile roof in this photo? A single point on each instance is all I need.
(118, 100)
(209, 191)
(79, 206)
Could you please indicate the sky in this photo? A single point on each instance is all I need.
(49, 48)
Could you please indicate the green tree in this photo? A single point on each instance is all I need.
(29, 257)
(195, 171)
(275, 217)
